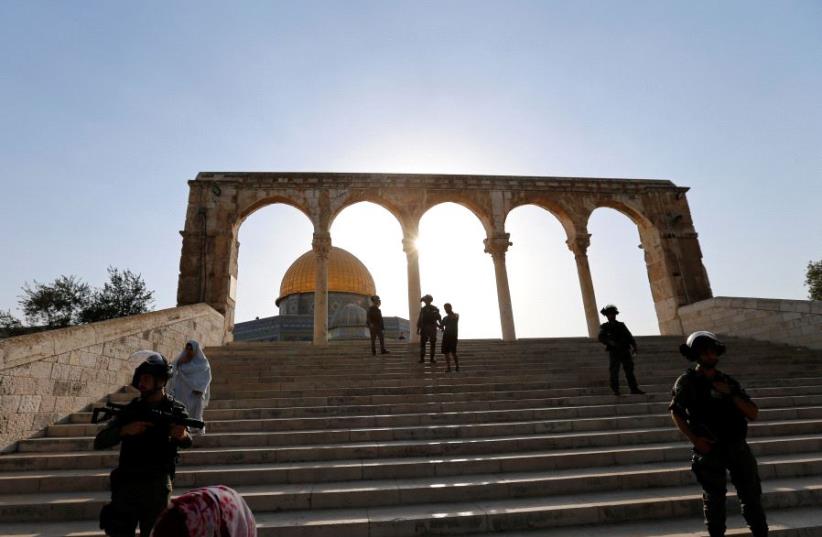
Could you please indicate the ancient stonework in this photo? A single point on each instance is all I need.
(220, 201)
(48, 375)
(794, 322)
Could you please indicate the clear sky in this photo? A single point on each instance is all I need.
(107, 108)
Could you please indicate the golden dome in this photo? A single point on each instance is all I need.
(346, 274)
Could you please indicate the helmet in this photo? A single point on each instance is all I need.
(155, 364)
(697, 341)
(609, 307)
(427, 298)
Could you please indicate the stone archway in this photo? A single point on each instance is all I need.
(219, 201)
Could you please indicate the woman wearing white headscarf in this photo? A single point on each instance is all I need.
(190, 381)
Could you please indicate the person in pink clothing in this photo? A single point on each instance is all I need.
(216, 511)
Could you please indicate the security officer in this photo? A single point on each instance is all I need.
(428, 323)
(713, 411)
(141, 483)
(376, 326)
(621, 347)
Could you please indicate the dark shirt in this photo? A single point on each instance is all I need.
(375, 318)
(708, 412)
(152, 451)
(450, 325)
(429, 317)
(616, 336)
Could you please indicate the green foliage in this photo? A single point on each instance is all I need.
(813, 279)
(57, 304)
(9, 322)
(68, 300)
(125, 293)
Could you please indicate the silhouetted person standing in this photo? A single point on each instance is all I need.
(427, 324)
(712, 410)
(621, 346)
(376, 326)
(450, 336)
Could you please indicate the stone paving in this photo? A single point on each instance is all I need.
(526, 440)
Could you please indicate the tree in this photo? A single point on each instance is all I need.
(10, 325)
(9, 322)
(57, 304)
(813, 279)
(125, 293)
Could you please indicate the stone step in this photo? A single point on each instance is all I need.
(796, 522)
(483, 515)
(475, 410)
(518, 514)
(572, 395)
(474, 365)
(521, 346)
(445, 437)
(446, 489)
(597, 421)
(384, 460)
(790, 522)
(800, 451)
(262, 432)
(402, 355)
(455, 390)
(432, 388)
(411, 364)
(375, 379)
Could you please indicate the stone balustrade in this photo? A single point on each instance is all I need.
(795, 322)
(48, 375)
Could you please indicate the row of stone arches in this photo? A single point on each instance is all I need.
(545, 299)
(574, 220)
(218, 204)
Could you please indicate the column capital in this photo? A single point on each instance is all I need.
(579, 244)
(321, 244)
(497, 245)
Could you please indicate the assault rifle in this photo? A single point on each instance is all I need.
(154, 415)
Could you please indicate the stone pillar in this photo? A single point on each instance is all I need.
(414, 289)
(497, 245)
(579, 246)
(322, 248)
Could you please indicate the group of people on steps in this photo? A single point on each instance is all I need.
(429, 322)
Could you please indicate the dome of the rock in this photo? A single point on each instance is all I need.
(346, 274)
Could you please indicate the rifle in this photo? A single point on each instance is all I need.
(154, 415)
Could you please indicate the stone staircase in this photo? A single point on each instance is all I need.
(526, 440)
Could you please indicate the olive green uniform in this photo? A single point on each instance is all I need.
(620, 344)
(141, 484)
(713, 415)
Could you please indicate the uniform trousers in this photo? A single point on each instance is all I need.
(625, 359)
(711, 471)
(377, 333)
(428, 334)
(136, 498)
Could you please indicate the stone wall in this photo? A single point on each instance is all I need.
(48, 375)
(796, 322)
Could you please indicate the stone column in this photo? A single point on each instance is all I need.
(322, 248)
(414, 289)
(579, 246)
(497, 246)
